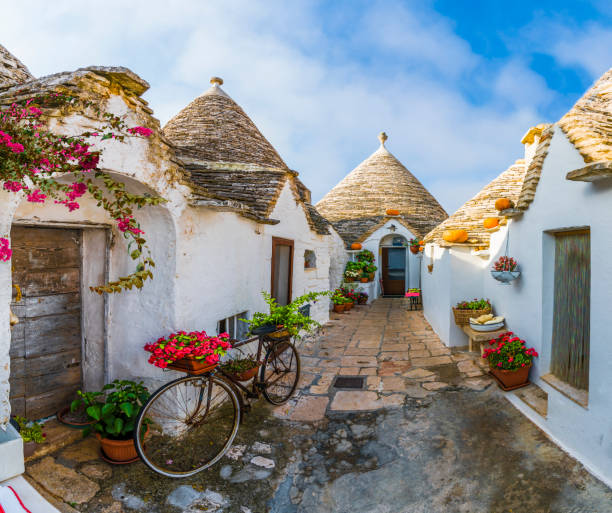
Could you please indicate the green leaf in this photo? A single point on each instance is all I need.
(107, 409)
(127, 408)
(94, 412)
(118, 425)
(74, 405)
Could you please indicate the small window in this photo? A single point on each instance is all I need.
(236, 328)
(310, 259)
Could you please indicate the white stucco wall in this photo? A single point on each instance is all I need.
(527, 303)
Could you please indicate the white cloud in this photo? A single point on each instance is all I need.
(319, 97)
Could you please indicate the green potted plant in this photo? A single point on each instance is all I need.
(31, 433)
(370, 269)
(362, 298)
(115, 412)
(289, 319)
(466, 309)
(365, 256)
(509, 360)
(339, 301)
(241, 369)
(75, 415)
(415, 246)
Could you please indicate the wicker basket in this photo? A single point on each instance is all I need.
(462, 317)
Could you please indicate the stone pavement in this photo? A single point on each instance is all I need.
(395, 350)
(427, 435)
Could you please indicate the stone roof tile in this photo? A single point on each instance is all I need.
(471, 215)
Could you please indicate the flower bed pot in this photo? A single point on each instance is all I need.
(279, 333)
(71, 419)
(365, 279)
(350, 305)
(264, 330)
(414, 249)
(338, 308)
(192, 366)
(506, 277)
(245, 375)
(119, 451)
(462, 317)
(511, 379)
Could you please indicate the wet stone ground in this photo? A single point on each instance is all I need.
(455, 447)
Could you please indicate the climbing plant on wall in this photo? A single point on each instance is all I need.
(33, 158)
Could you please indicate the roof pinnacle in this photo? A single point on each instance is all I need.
(382, 137)
(216, 80)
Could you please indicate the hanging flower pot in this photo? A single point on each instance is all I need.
(355, 246)
(505, 270)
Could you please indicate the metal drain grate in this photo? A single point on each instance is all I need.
(352, 382)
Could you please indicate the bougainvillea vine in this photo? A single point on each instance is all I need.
(33, 158)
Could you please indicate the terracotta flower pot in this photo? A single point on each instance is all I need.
(350, 305)
(414, 249)
(66, 417)
(28, 449)
(338, 308)
(192, 366)
(364, 279)
(512, 378)
(246, 375)
(119, 451)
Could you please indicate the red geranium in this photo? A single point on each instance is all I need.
(508, 352)
(197, 345)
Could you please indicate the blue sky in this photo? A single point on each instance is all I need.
(455, 84)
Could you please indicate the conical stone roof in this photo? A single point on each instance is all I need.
(358, 204)
(213, 128)
(12, 71)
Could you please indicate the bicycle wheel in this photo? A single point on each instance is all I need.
(280, 372)
(192, 423)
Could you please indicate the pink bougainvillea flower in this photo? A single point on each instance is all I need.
(140, 130)
(13, 186)
(5, 250)
(37, 197)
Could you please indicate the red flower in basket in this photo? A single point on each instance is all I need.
(196, 344)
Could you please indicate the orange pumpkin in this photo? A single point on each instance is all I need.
(455, 236)
(355, 246)
(491, 222)
(503, 204)
(392, 212)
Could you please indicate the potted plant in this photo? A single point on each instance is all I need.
(362, 298)
(115, 412)
(241, 369)
(365, 278)
(466, 309)
(370, 270)
(505, 270)
(365, 256)
(351, 275)
(415, 246)
(31, 433)
(339, 301)
(193, 352)
(75, 415)
(509, 360)
(289, 319)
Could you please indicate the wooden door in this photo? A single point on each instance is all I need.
(46, 344)
(572, 307)
(282, 270)
(394, 271)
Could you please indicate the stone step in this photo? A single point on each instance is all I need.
(534, 397)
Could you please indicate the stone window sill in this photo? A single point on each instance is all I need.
(580, 397)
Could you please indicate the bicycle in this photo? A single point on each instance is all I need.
(188, 424)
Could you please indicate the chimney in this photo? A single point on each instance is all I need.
(531, 140)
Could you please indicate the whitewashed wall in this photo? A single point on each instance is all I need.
(527, 303)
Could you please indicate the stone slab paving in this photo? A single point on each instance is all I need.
(395, 348)
(427, 434)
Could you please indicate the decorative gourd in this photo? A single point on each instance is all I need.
(356, 246)
(455, 236)
(503, 204)
(392, 212)
(491, 222)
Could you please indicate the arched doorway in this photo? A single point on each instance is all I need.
(394, 265)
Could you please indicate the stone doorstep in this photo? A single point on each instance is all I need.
(58, 436)
(534, 397)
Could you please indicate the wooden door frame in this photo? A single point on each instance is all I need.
(279, 241)
(384, 266)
